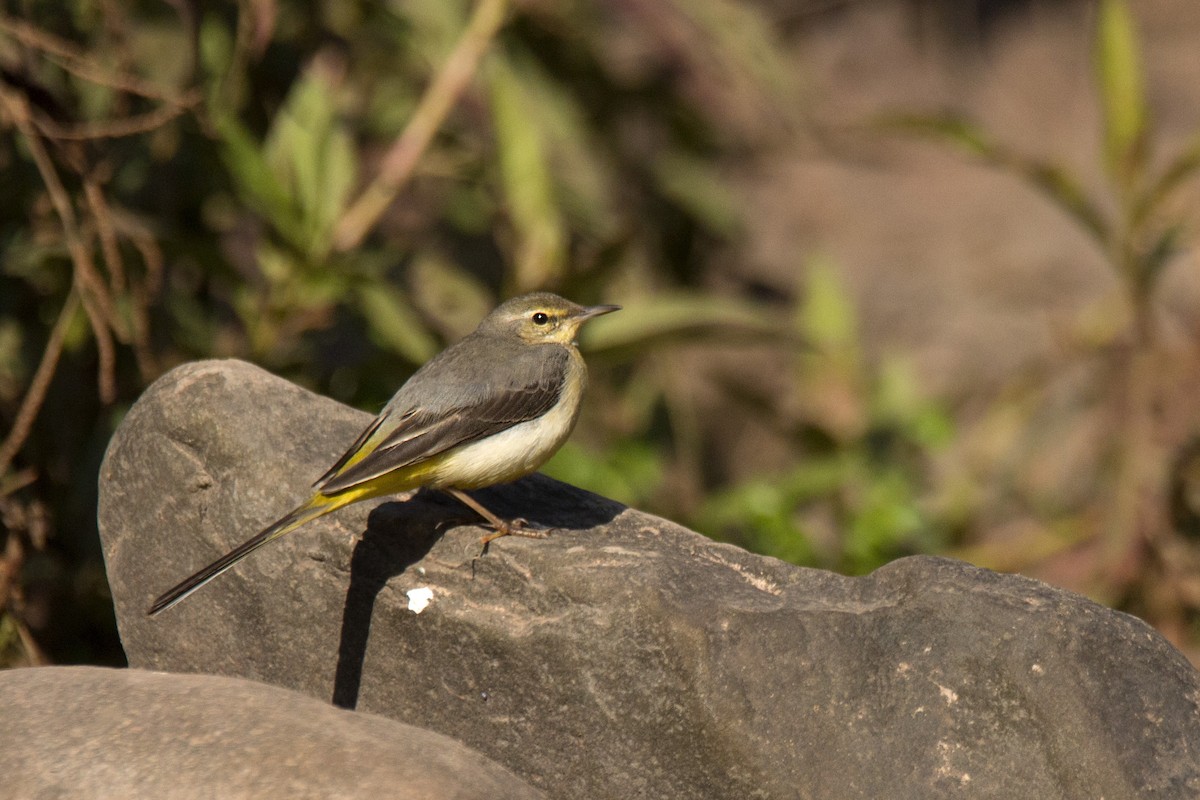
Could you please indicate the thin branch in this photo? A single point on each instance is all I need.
(117, 128)
(142, 291)
(12, 597)
(70, 58)
(33, 652)
(32, 402)
(107, 233)
(441, 95)
(11, 484)
(93, 293)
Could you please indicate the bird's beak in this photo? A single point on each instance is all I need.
(595, 311)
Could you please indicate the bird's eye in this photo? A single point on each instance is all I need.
(540, 318)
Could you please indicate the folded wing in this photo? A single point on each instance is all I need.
(423, 433)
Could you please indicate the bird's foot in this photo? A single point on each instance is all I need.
(516, 527)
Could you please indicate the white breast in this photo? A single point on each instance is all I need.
(519, 450)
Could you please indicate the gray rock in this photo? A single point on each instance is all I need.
(624, 656)
(89, 732)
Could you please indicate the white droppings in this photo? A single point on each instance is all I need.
(419, 598)
(948, 694)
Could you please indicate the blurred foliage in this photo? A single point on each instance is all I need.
(858, 496)
(1116, 526)
(336, 191)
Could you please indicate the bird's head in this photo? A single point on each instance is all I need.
(541, 317)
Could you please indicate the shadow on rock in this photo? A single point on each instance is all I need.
(398, 535)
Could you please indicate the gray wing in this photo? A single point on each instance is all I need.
(453, 407)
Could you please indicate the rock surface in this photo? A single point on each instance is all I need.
(89, 732)
(624, 656)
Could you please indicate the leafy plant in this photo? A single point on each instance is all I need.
(859, 494)
(335, 191)
(1138, 226)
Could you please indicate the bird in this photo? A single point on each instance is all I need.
(489, 409)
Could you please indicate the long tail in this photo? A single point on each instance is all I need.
(318, 506)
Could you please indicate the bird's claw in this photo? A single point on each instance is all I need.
(516, 527)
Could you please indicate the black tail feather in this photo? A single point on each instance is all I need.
(285, 524)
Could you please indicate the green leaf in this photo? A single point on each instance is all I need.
(1060, 186)
(1055, 182)
(1151, 264)
(257, 184)
(682, 316)
(746, 49)
(1181, 169)
(759, 514)
(539, 257)
(899, 400)
(223, 88)
(312, 155)
(827, 317)
(395, 323)
(630, 471)
(582, 168)
(1119, 74)
(946, 128)
(885, 518)
(452, 298)
(695, 184)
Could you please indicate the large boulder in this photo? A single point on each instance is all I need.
(623, 656)
(89, 732)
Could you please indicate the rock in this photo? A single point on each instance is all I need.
(90, 732)
(623, 656)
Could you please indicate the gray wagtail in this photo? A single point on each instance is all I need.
(488, 410)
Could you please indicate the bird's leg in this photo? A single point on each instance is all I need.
(502, 528)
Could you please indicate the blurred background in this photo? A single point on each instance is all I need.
(899, 276)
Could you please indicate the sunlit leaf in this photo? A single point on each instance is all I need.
(945, 128)
(684, 316)
(79, 332)
(760, 514)
(539, 255)
(1119, 73)
(435, 27)
(696, 185)
(827, 316)
(258, 185)
(581, 167)
(746, 45)
(899, 399)
(395, 323)
(311, 154)
(629, 472)
(215, 50)
(885, 519)
(450, 296)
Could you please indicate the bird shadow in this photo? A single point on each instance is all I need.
(399, 534)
